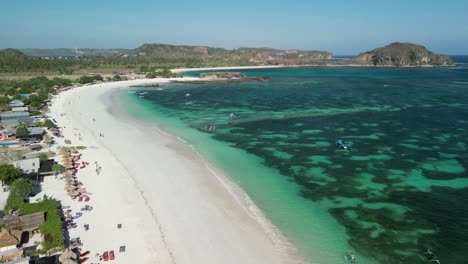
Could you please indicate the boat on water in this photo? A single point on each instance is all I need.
(350, 258)
(342, 145)
(210, 128)
(431, 257)
(143, 93)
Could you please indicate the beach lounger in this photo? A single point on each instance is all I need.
(122, 248)
(87, 199)
(105, 256)
(80, 199)
(111, 255)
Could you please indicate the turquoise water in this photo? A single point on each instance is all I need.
(402, 187)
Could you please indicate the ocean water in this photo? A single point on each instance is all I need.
(400, 189)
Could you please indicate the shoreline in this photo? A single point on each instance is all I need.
(251, 247)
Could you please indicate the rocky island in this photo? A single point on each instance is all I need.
(401, 55)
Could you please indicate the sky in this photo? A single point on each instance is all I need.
(343, 27)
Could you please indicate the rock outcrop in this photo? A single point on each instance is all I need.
(401, 55)
(222, 75)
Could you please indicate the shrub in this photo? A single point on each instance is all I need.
(21, 187)
(8, 173)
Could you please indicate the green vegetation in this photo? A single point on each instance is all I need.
(77, 147)
(57, 168)
(43, 156)
(22, 130)
(51, 229)
(152, 55)
(8, 173)
(37, 90)
(90, 79)
(49, 124)
(21, 187)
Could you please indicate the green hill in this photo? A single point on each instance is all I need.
(402, 55)
(187, 56)
(64, 52)
(11, 55)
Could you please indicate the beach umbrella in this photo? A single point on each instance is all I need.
(70, 188)
(73, 193)
(68, 255)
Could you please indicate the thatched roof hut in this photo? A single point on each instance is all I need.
(73, 193)
(68, 257)
(7, 239)
(28, 222)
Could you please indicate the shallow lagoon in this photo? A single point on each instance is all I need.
(400, 189)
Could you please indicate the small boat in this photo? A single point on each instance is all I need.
(342, 145)
(350, 258)
(143, 93)
(432, 257)
(210, 127)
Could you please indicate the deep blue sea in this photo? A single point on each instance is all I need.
(399, 190)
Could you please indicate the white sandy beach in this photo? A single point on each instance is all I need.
(173, 206)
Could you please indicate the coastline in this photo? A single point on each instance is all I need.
(237, 230)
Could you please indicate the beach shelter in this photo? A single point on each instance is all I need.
(70, 188)
(68, 256)
(73, 193)
(68, 179)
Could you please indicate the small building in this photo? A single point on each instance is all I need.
(13, 115)
(8, 246)
(35, 133)
(18, 230)
(6, 134)
(16, 103)
(12, 118)
(28, 166)
(3, 135)
(20, 109)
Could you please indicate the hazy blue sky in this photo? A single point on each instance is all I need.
(342, 27)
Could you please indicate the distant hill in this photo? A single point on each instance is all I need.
(55, 53)
(402, 55)
(11, 55)
(65, 61)
(203, 55)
